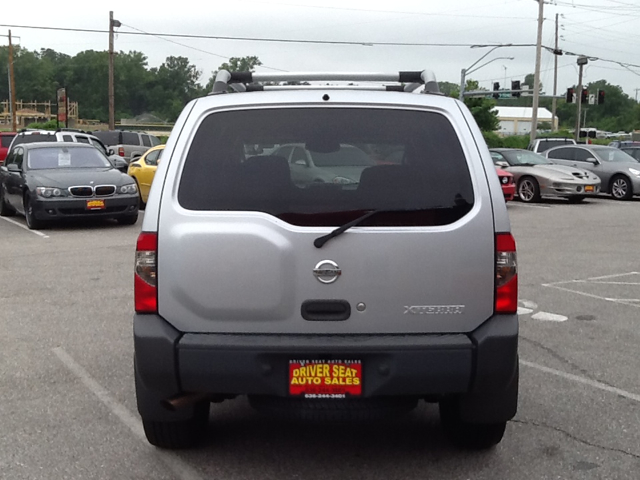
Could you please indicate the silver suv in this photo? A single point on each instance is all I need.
(351, 294)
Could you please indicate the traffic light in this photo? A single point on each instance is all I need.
(496, 87)
(570, 93)
(600, 98)
(585, 96)
(515, 85)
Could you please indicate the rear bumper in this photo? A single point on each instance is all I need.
(482, 363)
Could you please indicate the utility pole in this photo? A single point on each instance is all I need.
(12, 89)
(554, 102)
(582, 61)
(112, 117)
(536, 76)
(637, 94)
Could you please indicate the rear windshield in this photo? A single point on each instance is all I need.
(327, 166)
(33, 138)
(108, 138)
(545, 145)
(5, 140)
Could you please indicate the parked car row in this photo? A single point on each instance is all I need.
(571, 171)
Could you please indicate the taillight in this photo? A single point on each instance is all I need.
(506, 274)
(145, 278)
(121, 151)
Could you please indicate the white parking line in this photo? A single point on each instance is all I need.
(583, 380)
(602, 280)
(178, 466)
(37, 232)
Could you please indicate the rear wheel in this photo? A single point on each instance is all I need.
(476, 436)
(528, 190)
(5, 210)
(621, 188)
(179, 433)
(32, 222)
(141, 203)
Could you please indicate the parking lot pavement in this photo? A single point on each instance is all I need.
(67, 399)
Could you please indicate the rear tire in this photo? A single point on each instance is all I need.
(474, 436)
(179, 433)
(528, 190)
(621, 188)
(5, 210)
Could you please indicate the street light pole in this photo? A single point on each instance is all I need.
(465, 71)
(536, 76)
(582, 61)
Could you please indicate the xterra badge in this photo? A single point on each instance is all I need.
(434, 310)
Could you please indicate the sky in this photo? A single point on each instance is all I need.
(600, 29)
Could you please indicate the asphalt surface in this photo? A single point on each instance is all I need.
(67, 402)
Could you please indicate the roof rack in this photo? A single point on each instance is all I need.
(249, 81)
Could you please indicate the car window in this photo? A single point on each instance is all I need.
(37, 137)
(108, 138)
(299, 155)
(346, 156)
(562, 153)
(283, 152)
(634, 152)
(5, 140)
(10, 158)
(146, 141)
(82, 139)
(66, 158)
(582, 155)
(433, 177)
(67, 138)
(152, 158)
(155, 141)
(130, 138)
(19, 157)
(608, 154)
(497, 157)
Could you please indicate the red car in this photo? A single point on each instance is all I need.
(5, 141)
(507, 184)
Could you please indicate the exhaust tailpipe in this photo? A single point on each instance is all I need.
(184, 400)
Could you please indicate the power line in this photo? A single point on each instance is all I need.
(195, 48)
(258, 39)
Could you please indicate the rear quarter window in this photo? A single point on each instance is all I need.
(351, 160)
(108, 138)
(129, 138)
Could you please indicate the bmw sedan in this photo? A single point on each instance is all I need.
(55, 181)
(537, 177)
(619, 171)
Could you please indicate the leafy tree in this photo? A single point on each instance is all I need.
(482, 109)
(235, 64)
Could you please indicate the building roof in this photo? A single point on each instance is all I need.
(523, 113)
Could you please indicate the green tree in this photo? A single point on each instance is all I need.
(482, 108)
(235, 64)
(172, 85)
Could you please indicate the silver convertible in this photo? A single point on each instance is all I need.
(537, 177)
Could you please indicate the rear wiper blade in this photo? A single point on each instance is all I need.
(320, 241)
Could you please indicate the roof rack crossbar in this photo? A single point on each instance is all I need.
(224, 79)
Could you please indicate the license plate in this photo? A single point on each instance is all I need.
(588, 188)
(95, 205)
(325, 378)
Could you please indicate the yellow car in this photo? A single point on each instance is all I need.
(143, 170)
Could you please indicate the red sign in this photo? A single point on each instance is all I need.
(325, 378)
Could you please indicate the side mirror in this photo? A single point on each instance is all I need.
(593, 160)
(12, 167)
(501, 164)
(110, 151)
(300, 162)
(3, 168)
